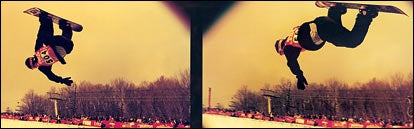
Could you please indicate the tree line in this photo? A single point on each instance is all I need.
(374, 99)
(165, 98)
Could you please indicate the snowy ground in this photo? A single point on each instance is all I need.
(209, 121)
(217, 121)
(7, 123)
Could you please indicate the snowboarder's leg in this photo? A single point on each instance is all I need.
(333, 32)
(46, 26)
(336, 13)
(330, 28)
(45, 32)
(312, 35)
(361, 26)
(66, 29)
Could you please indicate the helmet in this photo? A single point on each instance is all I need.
(279, 45)
(31, 62)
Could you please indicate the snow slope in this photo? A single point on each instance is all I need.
(218, 121)
(8, 123)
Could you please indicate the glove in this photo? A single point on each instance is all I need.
(67, 81)
(301, 82)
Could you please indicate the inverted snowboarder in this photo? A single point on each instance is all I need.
(312, 36)
(50, 48)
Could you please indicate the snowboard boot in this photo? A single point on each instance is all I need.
(43, 17)
(64, 25)
(369, 11)
(335, 12)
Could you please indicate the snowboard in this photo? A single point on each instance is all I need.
(381, 8)
(36, 11)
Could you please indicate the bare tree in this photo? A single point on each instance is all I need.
(247, 100)
(36, 104)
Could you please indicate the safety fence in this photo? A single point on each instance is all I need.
(94, 123)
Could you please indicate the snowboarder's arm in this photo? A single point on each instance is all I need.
(292, 54)
(47, 70)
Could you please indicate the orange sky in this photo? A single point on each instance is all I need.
(137, 40)
(239, 49)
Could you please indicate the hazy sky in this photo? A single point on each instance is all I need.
(137, 41)
(239, 49)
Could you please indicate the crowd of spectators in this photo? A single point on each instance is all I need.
(101, 121)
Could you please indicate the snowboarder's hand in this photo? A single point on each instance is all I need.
(301, 82)
(67, 81)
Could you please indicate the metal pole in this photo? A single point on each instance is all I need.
(288, 101)
(268, 104)
(56, 109)
(410, 108)
(74, 103)
(209, 97)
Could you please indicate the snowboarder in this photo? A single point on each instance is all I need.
(312, 36)
(50, 48)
